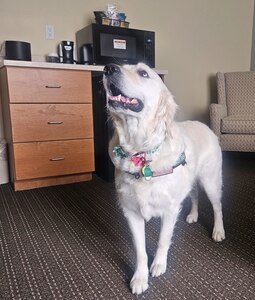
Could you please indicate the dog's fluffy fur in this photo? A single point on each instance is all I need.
(146, 124)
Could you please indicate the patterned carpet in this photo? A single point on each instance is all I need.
(72, 242)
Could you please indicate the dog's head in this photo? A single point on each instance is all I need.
(137, 92)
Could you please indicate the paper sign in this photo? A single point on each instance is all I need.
(119, 44)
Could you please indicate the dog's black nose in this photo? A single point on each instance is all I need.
(110, 69)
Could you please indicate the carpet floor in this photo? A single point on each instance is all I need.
(72, 242)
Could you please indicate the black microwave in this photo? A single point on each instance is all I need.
(101, 44)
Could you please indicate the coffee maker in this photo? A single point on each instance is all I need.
(66, 52)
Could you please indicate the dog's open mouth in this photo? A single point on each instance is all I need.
(118, 100)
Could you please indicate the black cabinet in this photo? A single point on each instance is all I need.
(103, 129)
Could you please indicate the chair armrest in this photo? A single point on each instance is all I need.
(217, 112)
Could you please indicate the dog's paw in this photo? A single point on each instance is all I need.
(218, 234)
(192, 218)
(158, 268)
(139, 283)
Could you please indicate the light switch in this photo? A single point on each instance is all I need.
(49, 32)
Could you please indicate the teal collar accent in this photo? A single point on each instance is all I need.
(119, 152)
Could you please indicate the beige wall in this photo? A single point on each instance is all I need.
(194, 38)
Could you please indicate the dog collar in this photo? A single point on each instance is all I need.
(147, 173)
(140, 159)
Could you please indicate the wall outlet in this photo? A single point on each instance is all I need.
(49, 32)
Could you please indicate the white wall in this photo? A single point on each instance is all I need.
(194, 38)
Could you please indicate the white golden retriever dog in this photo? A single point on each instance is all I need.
(158, 162)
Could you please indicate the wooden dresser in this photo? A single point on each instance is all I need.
(48, 124)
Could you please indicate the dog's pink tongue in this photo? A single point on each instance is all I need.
(123, 99)
(115, 98)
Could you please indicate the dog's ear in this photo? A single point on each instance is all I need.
(166, 109)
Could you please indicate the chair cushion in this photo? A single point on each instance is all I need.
(240, 124)
(240, 92)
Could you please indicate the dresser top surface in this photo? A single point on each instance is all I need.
(46, 65)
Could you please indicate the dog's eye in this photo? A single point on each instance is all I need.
(143, 73)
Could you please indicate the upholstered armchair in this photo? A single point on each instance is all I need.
(233, 118)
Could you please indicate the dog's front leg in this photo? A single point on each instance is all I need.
(139, 282)
(159, 263)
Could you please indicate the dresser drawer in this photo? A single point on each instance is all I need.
(45, 159)
(42, 122)
(31, 85)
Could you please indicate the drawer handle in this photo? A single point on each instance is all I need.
(53, 86)
(55, 123)
(57, 158)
